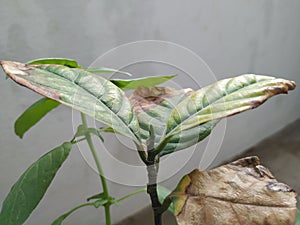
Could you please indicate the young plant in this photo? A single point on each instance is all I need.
(159, 120)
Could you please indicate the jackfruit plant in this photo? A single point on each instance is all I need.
(159, 121)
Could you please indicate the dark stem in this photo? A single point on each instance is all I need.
(152, 191)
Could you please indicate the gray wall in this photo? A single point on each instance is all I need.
(233, 37)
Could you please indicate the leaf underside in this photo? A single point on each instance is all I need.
(242, 192)
(28, 191)
(81, 90)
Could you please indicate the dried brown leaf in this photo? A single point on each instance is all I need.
(242, 193)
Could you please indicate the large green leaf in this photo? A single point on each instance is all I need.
(107, 70)
(132, 84)
(81, 90)
(31, 186)
(40, 108)
(222, 99)
(33, 114)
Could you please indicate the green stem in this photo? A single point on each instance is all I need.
(64, 216)
(99, 168)
(131, 194)
(80, 206)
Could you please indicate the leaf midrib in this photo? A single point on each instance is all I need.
(192, 115)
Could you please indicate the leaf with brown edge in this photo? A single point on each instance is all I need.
(242, 192)
(81, 90)
(219, 100)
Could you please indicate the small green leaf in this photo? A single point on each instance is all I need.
(28, 191)
(58, 61)
(34, 114)
(107, 70)
(298, 218)
(107, 129)
(146, 82)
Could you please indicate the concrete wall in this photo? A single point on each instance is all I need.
(233, 37)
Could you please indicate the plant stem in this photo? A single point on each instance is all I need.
(131, 194)
(99, 168)
(152, 191)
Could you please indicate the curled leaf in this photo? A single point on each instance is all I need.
(81, 90)
(242, 192)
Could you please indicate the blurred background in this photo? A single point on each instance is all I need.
(233, 37)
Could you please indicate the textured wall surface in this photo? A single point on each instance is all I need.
(233, 37)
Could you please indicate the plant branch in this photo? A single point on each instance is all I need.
(64, 216)
(131, 194)
(99, 168)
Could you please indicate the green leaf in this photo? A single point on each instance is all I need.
(28, 191)
(107, 130)
(146, 82)
(214, 102)
(81, 90)
(298, 218)
(59, 61)
(34, 114)
(107, 70)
